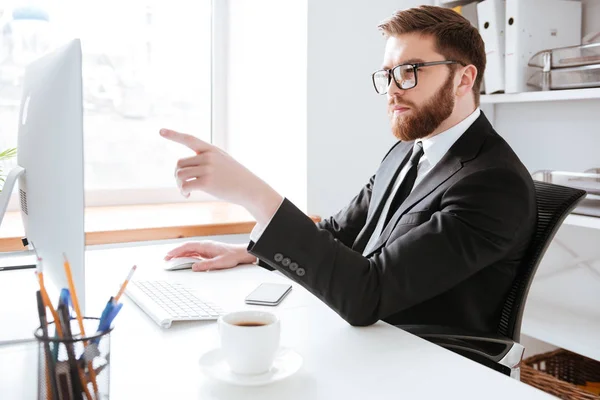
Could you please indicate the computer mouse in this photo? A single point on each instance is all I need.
(177, 263)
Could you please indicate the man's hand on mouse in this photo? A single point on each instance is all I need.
(212, 255)
(215, 172)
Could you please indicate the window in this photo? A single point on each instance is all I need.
(146, 65)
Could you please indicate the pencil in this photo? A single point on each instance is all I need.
(59, 331)
(79, 318)
(46, 298)
(122, 290)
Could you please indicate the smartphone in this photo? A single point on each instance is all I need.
(268, 294)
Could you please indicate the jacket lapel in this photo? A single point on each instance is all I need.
(465, 148)
(384, 181)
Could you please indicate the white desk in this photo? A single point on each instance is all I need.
(340, 361)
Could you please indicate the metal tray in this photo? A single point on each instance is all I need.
(565, 78)
(572, 56)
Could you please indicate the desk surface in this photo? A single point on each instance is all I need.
(340, 361)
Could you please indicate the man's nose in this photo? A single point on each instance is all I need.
(394, 90)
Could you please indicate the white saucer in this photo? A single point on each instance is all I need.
(287, 362)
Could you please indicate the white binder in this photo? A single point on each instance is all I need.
(535, 25)
(469, 11)
(490, 15)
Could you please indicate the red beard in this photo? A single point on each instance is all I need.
(421, 122)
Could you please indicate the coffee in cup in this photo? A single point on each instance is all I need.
(249, 340)
(249, 323)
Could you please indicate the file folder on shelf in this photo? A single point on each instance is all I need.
(469, 11)
(535, 25)
(490, 14)
(455, 3)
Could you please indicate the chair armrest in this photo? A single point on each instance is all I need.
(493, 350)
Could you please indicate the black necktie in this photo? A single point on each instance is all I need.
(408, 182)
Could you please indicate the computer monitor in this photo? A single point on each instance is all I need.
(50, 165)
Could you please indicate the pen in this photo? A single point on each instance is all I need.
(122, 290)
(62, 300)
(48, 304)
(45, 297)
(110, 304)
(51, 387)
(77, 377)
(65, 298)
(56, 343)
(110, 316)
(75, 301)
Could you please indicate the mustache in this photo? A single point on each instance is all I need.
(393, 103)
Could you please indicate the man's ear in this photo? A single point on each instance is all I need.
(467, 80)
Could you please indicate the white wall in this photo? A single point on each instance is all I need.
(591, 16)
(535, 346)
(561, 135)
(266, 92)
(348, 129)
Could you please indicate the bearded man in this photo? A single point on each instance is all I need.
(436, 235)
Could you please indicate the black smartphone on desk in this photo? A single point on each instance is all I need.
(268, 294)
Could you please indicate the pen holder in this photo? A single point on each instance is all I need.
(72, 366)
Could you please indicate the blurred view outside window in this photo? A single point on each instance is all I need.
(146, 65)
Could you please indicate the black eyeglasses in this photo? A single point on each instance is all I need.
(405, 75)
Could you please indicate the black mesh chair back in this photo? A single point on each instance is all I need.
(554, 203)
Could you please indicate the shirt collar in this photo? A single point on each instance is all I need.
(436, 147)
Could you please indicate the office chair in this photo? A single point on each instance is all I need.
(502, 351)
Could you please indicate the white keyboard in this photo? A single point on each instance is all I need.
(166, 302)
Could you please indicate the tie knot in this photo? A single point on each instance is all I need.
(416, 153)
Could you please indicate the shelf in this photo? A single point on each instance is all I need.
(562, 328)
(583, 221)
(552, 95)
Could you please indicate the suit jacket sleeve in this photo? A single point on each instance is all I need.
(343, 226)
(475, 226)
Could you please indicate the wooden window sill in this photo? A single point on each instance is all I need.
(135, 223)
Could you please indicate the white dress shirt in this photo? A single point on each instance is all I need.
(434, 149)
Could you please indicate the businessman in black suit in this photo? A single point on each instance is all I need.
(436, 235)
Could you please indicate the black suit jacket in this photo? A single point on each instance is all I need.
(448, 255)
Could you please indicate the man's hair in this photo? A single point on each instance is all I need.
(455, 38)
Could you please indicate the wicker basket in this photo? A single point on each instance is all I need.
(562, 374)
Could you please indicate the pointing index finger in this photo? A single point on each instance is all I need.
(189, 141)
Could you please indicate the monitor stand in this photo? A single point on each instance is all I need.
(11, 262)
(7, 189)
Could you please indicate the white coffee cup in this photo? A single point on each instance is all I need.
(249, 340)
